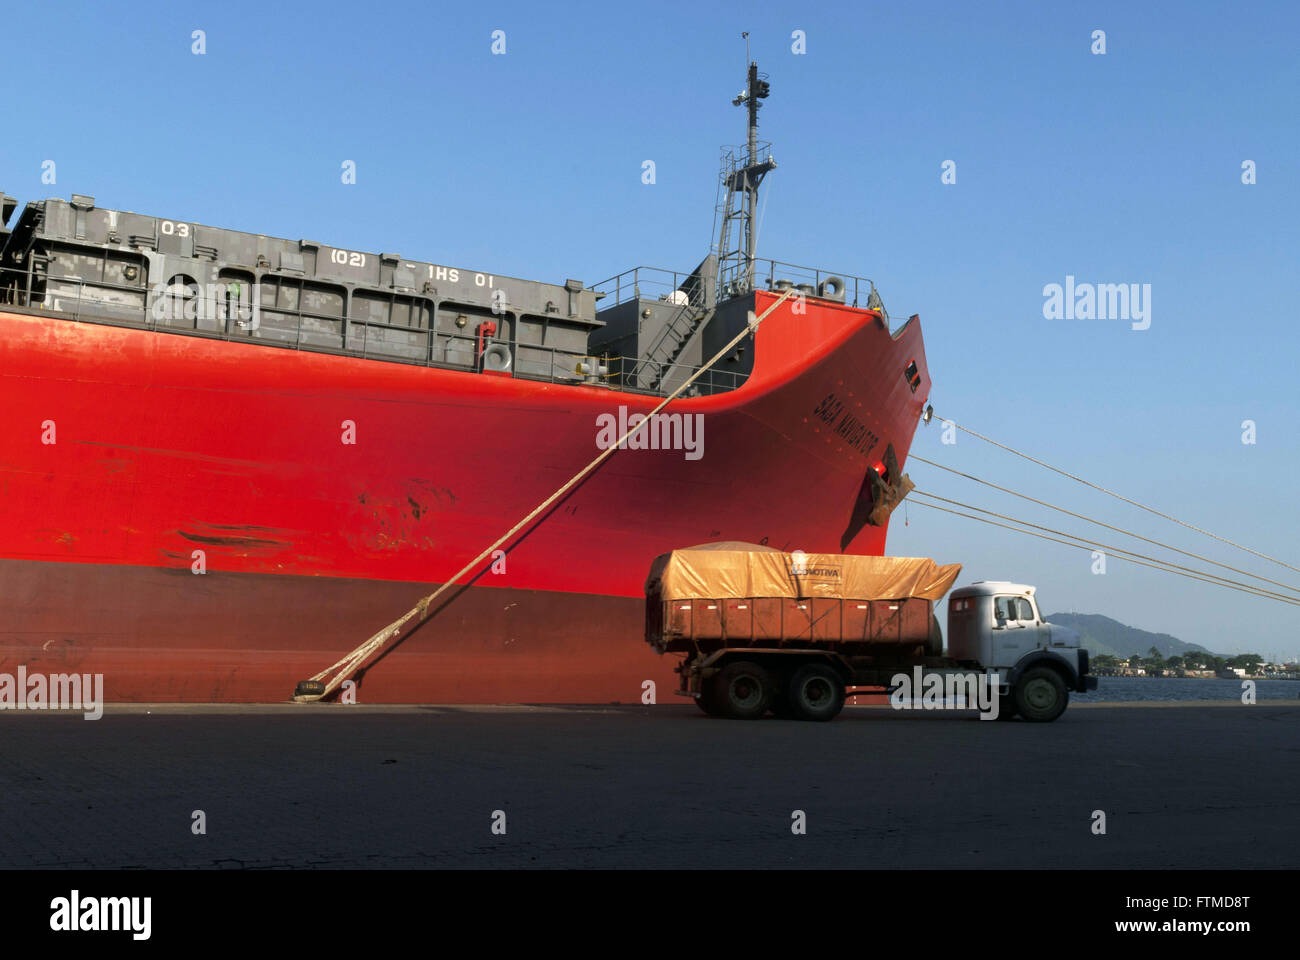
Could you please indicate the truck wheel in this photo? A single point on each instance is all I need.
(815, 692)
(1040, 695)
(742, 691)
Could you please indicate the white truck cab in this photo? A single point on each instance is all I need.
(999, 625)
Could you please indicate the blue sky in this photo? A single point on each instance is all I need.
(1122, 168)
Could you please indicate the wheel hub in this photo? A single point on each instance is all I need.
(816, 691)
(745, 691)
(1040, 694)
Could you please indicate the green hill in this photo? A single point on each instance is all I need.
(1102, 635)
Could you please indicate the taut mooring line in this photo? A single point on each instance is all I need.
(350, 663)
(1118, 496)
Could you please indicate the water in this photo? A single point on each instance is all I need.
(1192, 688)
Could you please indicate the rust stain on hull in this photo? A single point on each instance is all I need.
(228, 541)
(242, 535)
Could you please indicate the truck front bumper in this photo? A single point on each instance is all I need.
(1087, 683)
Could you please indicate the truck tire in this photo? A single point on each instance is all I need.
(815, 692)
(1040, 695)
(742, 691)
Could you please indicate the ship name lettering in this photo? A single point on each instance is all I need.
(846, 426)
(855, 433)
(828, 409)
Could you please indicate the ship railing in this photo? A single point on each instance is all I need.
(775, 275)
(656, 283)
(641, 283)
(642, 375)
(124, 305)
(622, 373)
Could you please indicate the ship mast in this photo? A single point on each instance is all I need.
(741, 177)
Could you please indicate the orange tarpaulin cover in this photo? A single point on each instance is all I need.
(732, 569)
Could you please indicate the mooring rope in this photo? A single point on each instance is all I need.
(1118, 552)
(1117, 496)
(1101, 523)
(353, 661)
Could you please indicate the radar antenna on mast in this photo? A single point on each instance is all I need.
(741, 176)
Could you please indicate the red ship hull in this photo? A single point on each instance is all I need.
(129, 456)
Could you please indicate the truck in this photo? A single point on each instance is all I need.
(761, 630)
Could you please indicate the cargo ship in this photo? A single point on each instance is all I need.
(228, 458)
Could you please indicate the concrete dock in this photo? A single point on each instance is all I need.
(327, 785)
